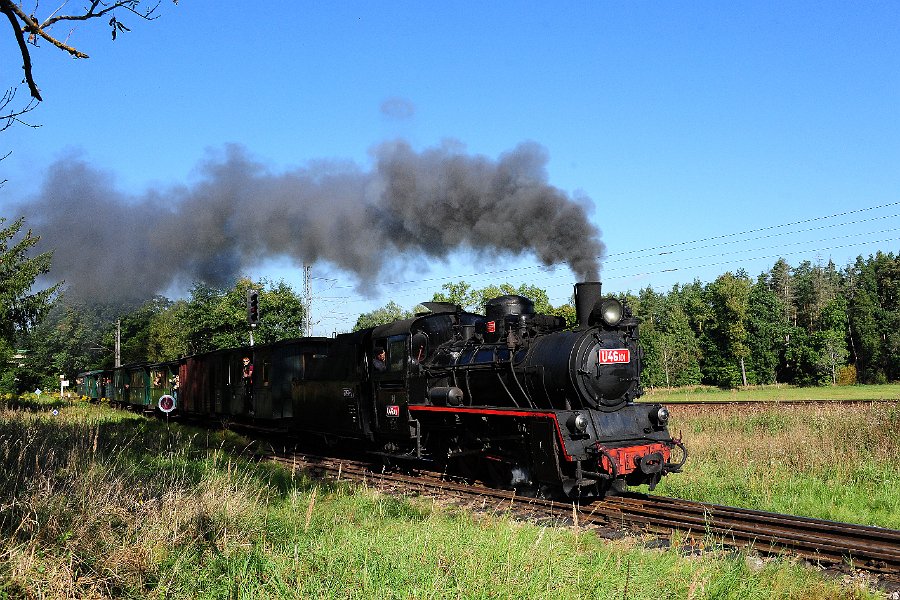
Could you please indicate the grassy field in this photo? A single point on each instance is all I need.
(774, 393)
(96, 503)
(829, 461)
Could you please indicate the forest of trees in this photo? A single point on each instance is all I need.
(76, 336)
(806, 325)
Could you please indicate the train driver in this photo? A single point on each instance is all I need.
(379, 360)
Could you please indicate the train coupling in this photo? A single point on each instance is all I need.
(649, 459)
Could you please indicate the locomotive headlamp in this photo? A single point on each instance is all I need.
(578, 423)
(611, 311)
(661, 416)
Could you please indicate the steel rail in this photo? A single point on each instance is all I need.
(872, 548)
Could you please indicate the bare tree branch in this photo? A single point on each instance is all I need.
(29, 25)
(93, 13)
(9, 9)
(34, 27)
(7, 119)
(22, 23)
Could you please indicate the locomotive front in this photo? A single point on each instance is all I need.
(548, 406)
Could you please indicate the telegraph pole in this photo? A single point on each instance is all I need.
(307, 300)
(118, 343)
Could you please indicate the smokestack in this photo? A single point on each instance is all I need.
(586, 295)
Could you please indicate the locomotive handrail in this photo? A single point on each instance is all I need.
(468, 388)
(506, 389)
(525, 394)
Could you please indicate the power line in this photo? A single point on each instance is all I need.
(769, 228)
(769, 236)
(749, 250)
(637, 270)
(675, 265)
(683, 246)
(770, 256)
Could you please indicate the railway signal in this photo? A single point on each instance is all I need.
(253, 307)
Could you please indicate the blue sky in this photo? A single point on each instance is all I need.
(679, 121)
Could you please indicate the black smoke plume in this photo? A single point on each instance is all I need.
(409, 206)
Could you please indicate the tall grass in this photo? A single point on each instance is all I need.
(829, 461)
(98, 504)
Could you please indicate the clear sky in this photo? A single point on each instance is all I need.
(686, 124)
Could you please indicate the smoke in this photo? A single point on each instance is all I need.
(398, 108)
(411, 204)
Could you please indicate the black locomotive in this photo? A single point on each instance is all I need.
(511, 397)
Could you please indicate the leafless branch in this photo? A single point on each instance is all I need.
(9, 9)
(28, 24)
(92, 12)
(9, 117)
(32, 26)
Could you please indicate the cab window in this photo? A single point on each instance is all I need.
(396, 353)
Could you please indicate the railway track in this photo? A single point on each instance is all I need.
(826, 543)
(870, 548)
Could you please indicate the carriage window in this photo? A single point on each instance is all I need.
(302, 360)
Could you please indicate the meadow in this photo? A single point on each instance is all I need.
(96, 503)
(825, 460)
(774, 393)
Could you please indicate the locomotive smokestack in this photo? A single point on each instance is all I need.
(586, 295)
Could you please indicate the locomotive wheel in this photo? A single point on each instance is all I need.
(467, 468)
(505, 474)
(617, 487)
(497, 474)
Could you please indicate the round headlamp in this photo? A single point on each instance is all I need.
(578, 423)
(662, 415)
(611, 311)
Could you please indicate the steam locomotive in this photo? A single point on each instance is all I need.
(512, 398)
